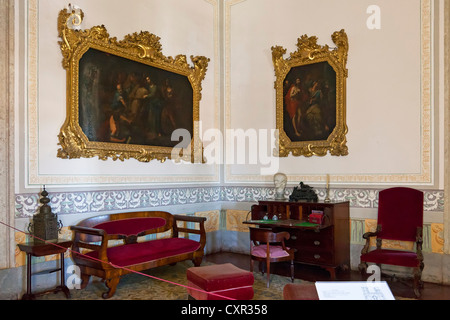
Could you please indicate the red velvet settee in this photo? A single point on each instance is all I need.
(93, 256)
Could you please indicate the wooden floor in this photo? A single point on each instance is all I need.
(400, 288)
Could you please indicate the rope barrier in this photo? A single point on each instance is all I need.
(118, 267)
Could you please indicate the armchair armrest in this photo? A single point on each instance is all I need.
(419, 242)
(367, 237)
(179, 217)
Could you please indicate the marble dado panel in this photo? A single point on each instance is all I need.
(116, 200)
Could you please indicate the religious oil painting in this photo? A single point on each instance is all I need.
(310, 105)
(125, 99)
(309, 110)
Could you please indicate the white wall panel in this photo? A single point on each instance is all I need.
(185, 27)
(388, 92)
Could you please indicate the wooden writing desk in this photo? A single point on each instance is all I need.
(326, 245)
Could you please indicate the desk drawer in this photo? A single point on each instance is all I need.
(314, 257)
(311, 240)
(312, 246)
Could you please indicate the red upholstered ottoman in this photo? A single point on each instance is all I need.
(225, 280)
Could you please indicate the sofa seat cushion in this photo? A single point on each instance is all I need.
(141, 252)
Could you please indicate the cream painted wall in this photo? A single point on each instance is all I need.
(389, 98)
(185, 27)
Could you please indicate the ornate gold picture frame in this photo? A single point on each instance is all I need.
(125, 99)
(311, 97)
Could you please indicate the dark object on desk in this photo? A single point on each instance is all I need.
(40, 249)
(305, 193)
(45, 224)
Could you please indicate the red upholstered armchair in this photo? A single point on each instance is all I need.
(400, 217)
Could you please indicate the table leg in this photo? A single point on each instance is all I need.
(61, 257)
(28, 295)
(332, 272)
(63, 278)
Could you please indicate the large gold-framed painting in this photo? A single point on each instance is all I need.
(125, 99)
(311, 97)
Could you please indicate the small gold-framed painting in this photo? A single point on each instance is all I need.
(311, 98)
(125, 99)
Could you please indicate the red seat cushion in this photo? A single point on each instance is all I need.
(275, 251)
(131, 254)
(393, 257)
(224, 279)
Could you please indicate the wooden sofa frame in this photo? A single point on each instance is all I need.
(97, 263)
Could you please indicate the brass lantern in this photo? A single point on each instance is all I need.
(45, 225)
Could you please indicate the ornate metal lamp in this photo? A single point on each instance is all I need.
(45, 224)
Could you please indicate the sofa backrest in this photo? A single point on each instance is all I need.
(128, 223)
(131, 226)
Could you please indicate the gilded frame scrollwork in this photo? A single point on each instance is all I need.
(142, 50)
(320, 73)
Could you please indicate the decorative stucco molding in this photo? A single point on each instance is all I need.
(117, 200)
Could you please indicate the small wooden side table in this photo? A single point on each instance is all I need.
(39, 249)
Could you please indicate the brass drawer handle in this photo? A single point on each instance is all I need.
(294, 237)
(317, 243)
(317, 256)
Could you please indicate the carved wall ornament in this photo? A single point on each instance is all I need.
(311, 97)
(125, 98)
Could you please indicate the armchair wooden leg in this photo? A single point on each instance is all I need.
(420, 278)
(362, 267)
(292, 270)
(418, 284)
(268, 273)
